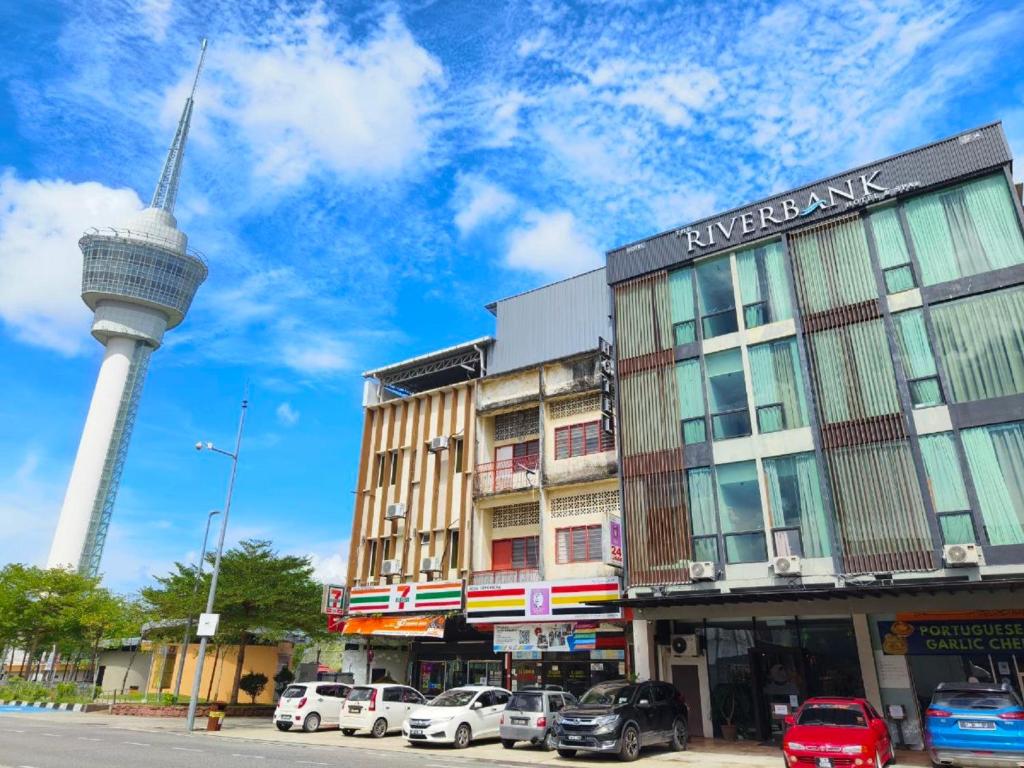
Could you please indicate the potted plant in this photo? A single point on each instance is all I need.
(725, 706)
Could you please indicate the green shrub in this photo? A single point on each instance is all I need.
(65, 692)
(16, 689)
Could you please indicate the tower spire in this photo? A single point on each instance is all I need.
(167, 188)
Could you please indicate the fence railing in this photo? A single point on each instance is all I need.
(508, 576)
(507, 475)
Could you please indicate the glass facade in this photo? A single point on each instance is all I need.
(716, 298)
(764, 287)
(727, 395)
(778, 388)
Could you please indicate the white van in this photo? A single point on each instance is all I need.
(378, 708)
(310, 705)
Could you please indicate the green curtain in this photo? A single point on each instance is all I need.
(854, 372)
(680, 289)
(762, 276)
(691, 400)
(995, 456)
(831, 375)
(918, 359)
(932, 240)
(990, 203)
(702, 502)
(957, 529)
(775, 378)
(892, 250)
(981, 340)
(945, 478)
(794, 497)
(874, 366)
(833, 266)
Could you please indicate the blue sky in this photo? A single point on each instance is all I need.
(364, 177)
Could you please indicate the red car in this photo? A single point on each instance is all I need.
(836, 733)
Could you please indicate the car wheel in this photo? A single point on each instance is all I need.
(508, 743)
(348, 731)
(679, 736)
(629, 749)
(550, 742)
(380, 728)
(311, 723)
(463, 734)
(567, 753)
(283, 726)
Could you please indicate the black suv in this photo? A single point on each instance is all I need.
(621, 717)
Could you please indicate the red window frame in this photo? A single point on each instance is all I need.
(506, 561)
(564, 440)
(588, 556)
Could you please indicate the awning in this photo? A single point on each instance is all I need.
(396, 626)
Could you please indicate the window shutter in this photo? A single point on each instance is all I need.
(501, 555)
(562, 443)
(594, 546)
(562, 542)
(518, 553)
(532, 552)
(578, 444)
(579, 544)
(592, 439)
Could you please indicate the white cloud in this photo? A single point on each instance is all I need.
(40, 264)
(551, 244)
(317, 354)
(287, 415)
(330, 566)
(30, 499)
(156, 18)
(478, 201)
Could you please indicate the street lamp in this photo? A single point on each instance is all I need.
(188, 623)
(198, 676)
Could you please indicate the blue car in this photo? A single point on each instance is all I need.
(975, 725)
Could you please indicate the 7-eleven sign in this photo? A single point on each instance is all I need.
(333, 603)
(403, 595)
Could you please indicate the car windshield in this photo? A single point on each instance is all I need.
(982, 700)
(457, 697)
(360, 694)
(843, 715)
(608, 695)
(294, 692)
(527, 702)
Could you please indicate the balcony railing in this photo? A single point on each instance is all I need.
(507, 475)
(505, 577)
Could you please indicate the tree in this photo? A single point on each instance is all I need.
(283, 679)
(253, 683)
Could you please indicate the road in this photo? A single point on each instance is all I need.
(72, 742)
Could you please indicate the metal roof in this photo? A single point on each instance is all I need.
(450, 365)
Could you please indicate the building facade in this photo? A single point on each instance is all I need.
(821, 441)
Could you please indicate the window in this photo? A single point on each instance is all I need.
(727, 393)
(372, 558)
(578, 544)
(893, 257)
(946, 488)
(853, 372)
(965, 230)
(412, 696)
(392, 694)
(702, 514)
(381, 466)
(763, 286)
(680, 292)
(778, 390)
(327, 690)
(739, 509)
(832, 266)
(425, 538)
(995, 456)
(386, 549)
(500, 698)
(453, 550)
(691, 401)
(457, 453)
(796, 506)
(582, 439)
(981, 340)
(523, 552)
(918, 360)
(715, 296)
(393, 473)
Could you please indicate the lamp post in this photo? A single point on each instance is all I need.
(188, 623)
(198, 676)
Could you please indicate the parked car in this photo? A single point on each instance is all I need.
(378, 709)
(975, 724)
(830, 732)
(529, 716)
(621, 718)
(310, 705)
(458, 716)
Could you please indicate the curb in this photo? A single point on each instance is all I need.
(50, 705)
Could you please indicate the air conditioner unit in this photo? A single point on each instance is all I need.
(395, 511)
(685, 645)
(607, 367)
(430, 565)
(439, 443)
(786, 565)
(961, 554)
(391, 568)
(702, 571)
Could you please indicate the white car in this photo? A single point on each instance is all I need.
(310, 705)
(458, 716)
(379, 708)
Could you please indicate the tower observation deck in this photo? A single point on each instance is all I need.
(139, 282)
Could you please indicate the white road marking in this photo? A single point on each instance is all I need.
(186, 749)
(51, 735)
(309, 762)
(136, 743)
(251, 757)
(88, 738)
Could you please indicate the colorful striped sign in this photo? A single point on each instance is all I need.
(405, 598)
(543, 601)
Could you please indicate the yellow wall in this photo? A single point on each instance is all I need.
(221, 668)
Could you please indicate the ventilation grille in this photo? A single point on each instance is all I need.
(602, 502)
(516, 514)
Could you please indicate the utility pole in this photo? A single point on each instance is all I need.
(188, 623)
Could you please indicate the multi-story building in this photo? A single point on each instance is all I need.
(821, 401)
(546, 501)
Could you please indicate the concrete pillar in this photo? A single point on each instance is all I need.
(866, 657)
(76, 512)
(645, 665)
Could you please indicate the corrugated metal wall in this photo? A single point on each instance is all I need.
(552, 322)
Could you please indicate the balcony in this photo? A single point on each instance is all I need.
(507, 475)
(505, 577)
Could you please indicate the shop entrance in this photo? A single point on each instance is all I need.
(574, 675)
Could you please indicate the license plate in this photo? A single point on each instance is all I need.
(824, 762)
(977, 725)
(416, 732)
(573, 737)
(519, 721)
(355, 710)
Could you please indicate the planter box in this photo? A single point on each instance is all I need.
(138, 709)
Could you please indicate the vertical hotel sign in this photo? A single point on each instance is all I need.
(572, 600)
(405, 598)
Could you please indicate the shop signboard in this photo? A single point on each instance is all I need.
(613, 543)
(333, 602)
(552, 636)
(952, 634)
(405, 598)
(335, 623)
(541, 601)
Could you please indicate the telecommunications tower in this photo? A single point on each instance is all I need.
(139, 282)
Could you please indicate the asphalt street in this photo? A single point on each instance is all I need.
(26, 742)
